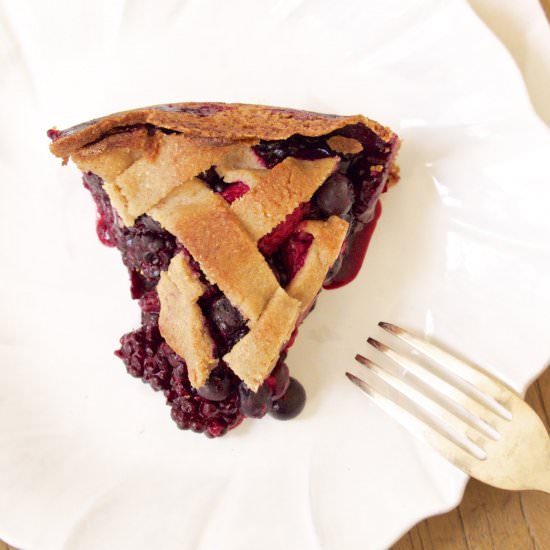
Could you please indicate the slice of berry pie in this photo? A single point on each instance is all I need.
(230, 220)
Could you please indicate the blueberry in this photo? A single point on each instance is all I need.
(150, 243)
(255, 404)
(335, 196)
(225, 317)
(218, 386)
(333, 271)
(291, 403)
(213, 180)
(278, 380)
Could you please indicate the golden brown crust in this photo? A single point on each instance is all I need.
(181, 321)
(202, 220)
(149, 160)
(344, 145)
(213, 235)
(328, 237)
(214, 122)
(143, 169)
(277, 192)
(111, 156)
(254, 356)
(393, 175)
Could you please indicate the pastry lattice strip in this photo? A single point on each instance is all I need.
(154, 174)
(201, 220)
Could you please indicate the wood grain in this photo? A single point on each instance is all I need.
(490, 518)
(487, 518)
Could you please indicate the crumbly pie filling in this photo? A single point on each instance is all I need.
(228, 238)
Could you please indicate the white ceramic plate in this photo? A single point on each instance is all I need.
(89, 457)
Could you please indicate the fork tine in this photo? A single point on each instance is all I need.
(402, 368)
(464, 376)
(412, 416)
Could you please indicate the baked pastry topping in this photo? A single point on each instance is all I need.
(230, 219)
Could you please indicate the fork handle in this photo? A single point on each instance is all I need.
(544, 484)
(539, 479)
(537, 469)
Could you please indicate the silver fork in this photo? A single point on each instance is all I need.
(473, 419)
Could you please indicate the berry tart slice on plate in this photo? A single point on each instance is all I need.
(230, 219)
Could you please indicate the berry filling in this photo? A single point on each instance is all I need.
(229, 191)
(301, 147)
(225, 323)
(269, 244)
(290, 403)
(351, 192)
(234, 191)
(147, 249)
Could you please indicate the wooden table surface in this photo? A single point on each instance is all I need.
(487, 518)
